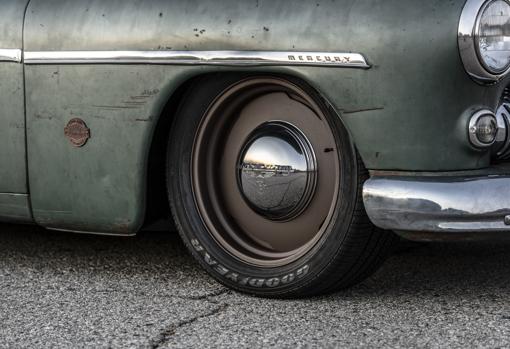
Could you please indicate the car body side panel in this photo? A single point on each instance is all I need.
(15, 208)
(14, 203)
(101, 186)
(405, 113)
(12, 111)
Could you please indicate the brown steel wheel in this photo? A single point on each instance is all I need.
(265, 187)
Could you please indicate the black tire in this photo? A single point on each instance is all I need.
(349, 247)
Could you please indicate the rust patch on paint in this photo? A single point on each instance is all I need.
(77, 132)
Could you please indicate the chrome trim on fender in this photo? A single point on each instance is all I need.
(10, 55)
(439, 204)
(242, 58)
(467, 39)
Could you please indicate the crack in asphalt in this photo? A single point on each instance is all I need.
(165, 336)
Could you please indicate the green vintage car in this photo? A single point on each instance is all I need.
(288, 140)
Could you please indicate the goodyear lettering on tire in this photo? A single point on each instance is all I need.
(247, 280)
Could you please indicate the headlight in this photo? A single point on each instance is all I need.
(494, 36)
(484, 39)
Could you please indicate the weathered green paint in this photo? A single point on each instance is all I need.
(12, 111)
(15, 208)
(415, 92)
(408, 112)
(12, 129)
(101, 186)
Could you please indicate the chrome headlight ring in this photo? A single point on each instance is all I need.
(468, 40)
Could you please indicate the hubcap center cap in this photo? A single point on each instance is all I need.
(277, 171)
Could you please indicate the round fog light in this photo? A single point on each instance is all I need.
(483, 129)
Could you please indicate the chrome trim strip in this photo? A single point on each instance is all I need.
(439, 204)
(238, 58)
(15, 194)
(10, 55)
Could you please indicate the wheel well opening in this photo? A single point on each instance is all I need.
(157, 213)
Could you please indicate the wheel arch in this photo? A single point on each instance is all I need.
(157, 207)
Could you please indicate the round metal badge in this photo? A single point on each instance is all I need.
(77, 132)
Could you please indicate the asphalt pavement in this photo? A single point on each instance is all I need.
(72, 291)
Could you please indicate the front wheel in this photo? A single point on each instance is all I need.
(265, 187)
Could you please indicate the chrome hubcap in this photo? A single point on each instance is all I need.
(277, 171)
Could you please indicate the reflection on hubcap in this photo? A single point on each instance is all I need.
(277, 171)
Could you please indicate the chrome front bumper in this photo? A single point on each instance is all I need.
(439, 204)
